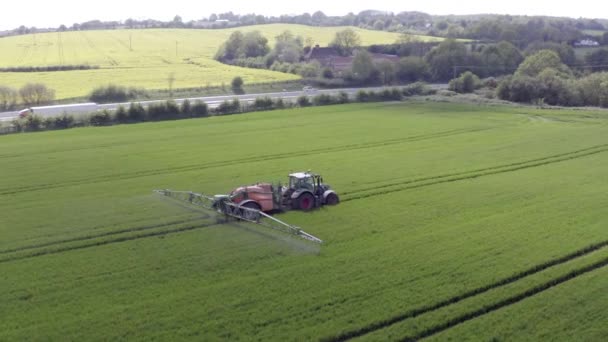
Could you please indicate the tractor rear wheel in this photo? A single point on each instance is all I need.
(332, 199)
(248, 214)
(305, 202)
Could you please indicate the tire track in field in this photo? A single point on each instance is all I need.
(487, 309)
(385, 323)
(203, 166)
(107, 242)
(100, 235)
(453, 177)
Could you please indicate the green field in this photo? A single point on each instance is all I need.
(146, 58)
(457, 222)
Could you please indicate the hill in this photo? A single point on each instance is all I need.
(146, 58)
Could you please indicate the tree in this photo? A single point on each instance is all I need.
(387, 71)
(594, 89)
(287, 48)
(36, 93)
(501, 58)
(254, 45)
(345, 41)
(411, 69)
(318, 17)
(379, 25)
(466, 83)
(239, 45)
(544, 59)
(237, 83)
(598, 59)
(443, 58)
(177, 21)
(565, 51)
(363, 68)
(230, 49)
(8, 98)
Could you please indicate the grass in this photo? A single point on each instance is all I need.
(455, 218)
(147, 58)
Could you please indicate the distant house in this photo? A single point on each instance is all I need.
(586, 43)
(329, 57)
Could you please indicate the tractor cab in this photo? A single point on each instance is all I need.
(301, 181)
(307, 191)
(305, 180)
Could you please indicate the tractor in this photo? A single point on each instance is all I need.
(305, 191)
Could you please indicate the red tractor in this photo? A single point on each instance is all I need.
(305, 191)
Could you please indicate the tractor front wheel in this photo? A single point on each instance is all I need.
(306, 202)
(332, 199)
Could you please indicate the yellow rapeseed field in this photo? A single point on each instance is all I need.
(146, 58)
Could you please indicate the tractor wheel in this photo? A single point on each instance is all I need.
(305, 202)
(332, 199)
(250, 215)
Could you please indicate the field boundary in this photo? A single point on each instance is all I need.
(379, 325)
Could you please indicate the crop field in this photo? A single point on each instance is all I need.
(457, 222)
(146, 58)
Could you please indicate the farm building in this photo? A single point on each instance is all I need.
(330, 58)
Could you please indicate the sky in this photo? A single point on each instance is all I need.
(52, 13)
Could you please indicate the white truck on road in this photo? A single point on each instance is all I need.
(77, 108)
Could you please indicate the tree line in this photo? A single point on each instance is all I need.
(170, 110)
(519, 30)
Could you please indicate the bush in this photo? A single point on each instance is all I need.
(113, 93)
(157, 111)
(32, 123)
(237, 84)
(279, 103)
(417, 88)
(49, 68)
(121, 114)
(343, 97)
(60, 122)
(102, 118)
(263, 103)
(229, 107)
(411, 69)
(323, 100)
(363, 96)
(8, 98)
(466, 83)
(199, 109)
(328, 73)
(390, 95)
(593, 89)
(136, 113)
(172, 109)
(304, 101)
(186, 108)
(36, 94)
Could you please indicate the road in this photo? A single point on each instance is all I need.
(214, 101)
